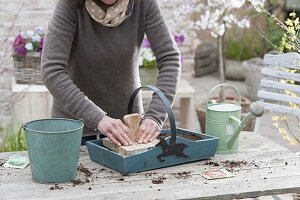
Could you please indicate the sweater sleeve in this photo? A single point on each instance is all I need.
(167, 58)
(55, 57)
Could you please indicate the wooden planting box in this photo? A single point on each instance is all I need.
(206, 59)
(176, 146)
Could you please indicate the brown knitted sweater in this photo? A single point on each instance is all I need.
(91, 70)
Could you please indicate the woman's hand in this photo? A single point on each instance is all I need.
(115, 130)
(149, 130)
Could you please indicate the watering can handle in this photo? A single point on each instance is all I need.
(224, 85)
(166, 104)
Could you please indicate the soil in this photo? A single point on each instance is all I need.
(1, 163)
(121, 179)
(231, 164)
(158, 181)
(234, 164)
(56, 187)
(215, 164)
(84, 170)
(77, 182)
(185, 136)
(182, 175)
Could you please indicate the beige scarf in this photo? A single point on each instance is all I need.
(114, 15)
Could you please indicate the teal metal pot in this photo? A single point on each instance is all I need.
(53, 148)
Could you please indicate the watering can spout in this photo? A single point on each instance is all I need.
(256, 110)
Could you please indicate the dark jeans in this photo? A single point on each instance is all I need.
(87, 138)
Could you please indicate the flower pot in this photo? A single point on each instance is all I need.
(148, 76)
(245, 103)
(206, 59)
(28, 68)
(253, 68)
(234, 70)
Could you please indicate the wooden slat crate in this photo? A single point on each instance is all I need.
(206, 59)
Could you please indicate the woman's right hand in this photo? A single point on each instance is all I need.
(115, 130)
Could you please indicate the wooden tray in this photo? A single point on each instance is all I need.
(176, 146)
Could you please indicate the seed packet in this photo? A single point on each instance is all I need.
(216, 174)
(16, 161)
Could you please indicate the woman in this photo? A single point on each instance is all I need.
(90, 64)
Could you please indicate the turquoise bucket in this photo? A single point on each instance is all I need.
(53, 146)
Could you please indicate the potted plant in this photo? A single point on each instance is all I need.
(27, 49)
(218, 17)
(147, 61)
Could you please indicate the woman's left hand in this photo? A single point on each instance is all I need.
(148, 131)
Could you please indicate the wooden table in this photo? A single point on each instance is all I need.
(269, 169)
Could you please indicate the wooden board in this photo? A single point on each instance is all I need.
(270, 169)
(129, 150)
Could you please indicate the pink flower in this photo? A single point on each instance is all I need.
(179, 39)
(41, 44)
(146, 43)
(19, 45)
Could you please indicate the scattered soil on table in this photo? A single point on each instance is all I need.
(77, 182)
(234, 164)
(182, 175)
(84, 170)
(159, 180)
(121, 179)
(1, 163)
(231, 164)
(56, 187)
(90, 188)
(149, 174)
(185, 136)
(215, 164)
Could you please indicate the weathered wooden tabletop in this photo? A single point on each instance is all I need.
(261, 167)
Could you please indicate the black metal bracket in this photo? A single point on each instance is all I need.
(170, 149)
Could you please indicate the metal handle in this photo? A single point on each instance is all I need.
(166, 104)
(19, 134)
(223, 85)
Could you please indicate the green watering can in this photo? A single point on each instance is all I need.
(223, 120)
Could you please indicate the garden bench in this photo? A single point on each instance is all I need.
(275, 90)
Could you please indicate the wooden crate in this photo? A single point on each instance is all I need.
(206, 59)
(201, 149)
(176, 146)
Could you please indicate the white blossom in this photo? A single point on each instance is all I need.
(148, 54)
(29, 34)
(29, 46)
(257, 4)
(36, 38)
(39, 30)
(213, 15)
